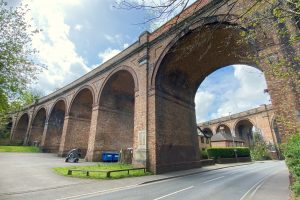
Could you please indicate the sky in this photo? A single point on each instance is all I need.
(78, 36)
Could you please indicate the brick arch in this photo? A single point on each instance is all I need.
(246, 137)
(84, 87)
(115, 120)
(121, 68)
(218, 19)
(55, 123)
(63, 99)
(37, 126)
(224, 124)
(21, 127)
(244, 119)
(79, 121)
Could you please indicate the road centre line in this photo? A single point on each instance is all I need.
(167, 195)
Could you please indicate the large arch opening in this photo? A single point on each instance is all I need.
(21, 129)
(79, 121)
(244, 130)
(55, 127)
(116, 113)
(37, 128)
(177, 77)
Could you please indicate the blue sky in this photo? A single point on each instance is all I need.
(79, 35)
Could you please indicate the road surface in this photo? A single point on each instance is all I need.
(264, 180)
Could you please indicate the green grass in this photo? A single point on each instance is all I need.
(19, 149)
(101, 166)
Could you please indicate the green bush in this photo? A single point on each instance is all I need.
(228, 152)
(260, 149)
(291, 152)
(204, 154)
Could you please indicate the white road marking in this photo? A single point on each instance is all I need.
(214, 179)
(100, 192)
(257, 185)
(174, 193)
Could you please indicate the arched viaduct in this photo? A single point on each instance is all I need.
(243, 125)
(144, 97)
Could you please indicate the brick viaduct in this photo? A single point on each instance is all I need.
(241, 125)
(144, 97)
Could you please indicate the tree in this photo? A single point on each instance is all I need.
(17, 65)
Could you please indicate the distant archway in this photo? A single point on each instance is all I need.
(21, 129)
(55, 127)
(224, 129)
(37, 127)
(244, 130)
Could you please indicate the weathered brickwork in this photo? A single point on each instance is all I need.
(144, 97)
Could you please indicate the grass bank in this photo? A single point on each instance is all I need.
(101, 166)
(19, 149)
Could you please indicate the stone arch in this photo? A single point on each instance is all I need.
(115, 123)
(21, 127)
(244, 130)
(79, 120)
(55, 123)
(37, 127)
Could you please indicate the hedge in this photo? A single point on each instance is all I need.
(228, 152)
(291, 151)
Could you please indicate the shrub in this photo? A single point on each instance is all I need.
(291, 151)
(260, 149)
(228, 152)
(204, 154)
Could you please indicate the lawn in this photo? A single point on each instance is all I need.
(19, 149)
(101, 166)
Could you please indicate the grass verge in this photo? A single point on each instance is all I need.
(99, 175)
(19, 149)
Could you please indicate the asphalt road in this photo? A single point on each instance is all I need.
(265, 180)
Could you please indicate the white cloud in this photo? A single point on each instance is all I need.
(108, 54)
(203, 100)
(117, 38)
(56, 50)
(249, 94)
(78, 27)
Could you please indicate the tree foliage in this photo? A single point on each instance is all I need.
(17, 65)
(291, 151)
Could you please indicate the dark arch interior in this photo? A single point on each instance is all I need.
(37, 128)
(21, 128)
(243, 130)
(207, 132)
(189, 61)
(116, 115)
(55, 127)
(224, 129)
(79, 121)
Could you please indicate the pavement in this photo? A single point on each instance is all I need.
(29, 176)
